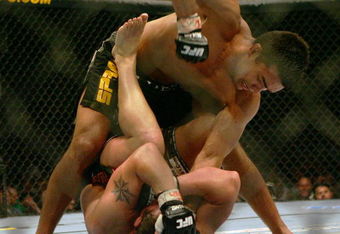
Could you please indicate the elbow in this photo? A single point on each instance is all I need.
(230, 183)
(224, 186)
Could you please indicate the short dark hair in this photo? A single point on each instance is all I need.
(288, 51)
(321, 185)
(147, 225)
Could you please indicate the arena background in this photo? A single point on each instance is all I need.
(46, 46)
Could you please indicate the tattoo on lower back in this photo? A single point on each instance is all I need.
(121, 190)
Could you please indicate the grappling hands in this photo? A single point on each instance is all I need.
(191, 44)
(176, 219)
(192, 47)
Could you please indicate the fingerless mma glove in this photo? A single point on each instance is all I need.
(191, 44)
(175, 217)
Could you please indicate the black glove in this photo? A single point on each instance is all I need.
(177, 219)
(192, 47)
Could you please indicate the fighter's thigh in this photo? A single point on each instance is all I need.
(89, 136)
(191, 136)
(115, 152)
(92, 124)
(98, 104)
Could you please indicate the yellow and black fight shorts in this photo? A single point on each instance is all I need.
(170, 103)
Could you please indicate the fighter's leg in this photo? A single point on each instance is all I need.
(135, 116)
(218, 188)
(136, 119)
(254, 189)
(114, 211)
(65, 182)
(191, 137)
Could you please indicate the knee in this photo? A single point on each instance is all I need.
(147, 153)
(232, 184)
(154, 137)
(226, 185)
(83, 150)
(229, 179)
(234, 180)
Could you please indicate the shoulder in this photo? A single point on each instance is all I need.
(245, 29)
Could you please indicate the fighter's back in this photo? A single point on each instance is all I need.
(157, 55)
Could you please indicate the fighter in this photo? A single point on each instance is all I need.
(226, 85)
(113, 201)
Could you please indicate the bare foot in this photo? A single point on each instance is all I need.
(128, 36)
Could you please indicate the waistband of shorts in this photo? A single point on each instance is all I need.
(158, 86)
(172, 156)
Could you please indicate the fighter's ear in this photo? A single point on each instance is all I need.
(137, 222)
(255, 50)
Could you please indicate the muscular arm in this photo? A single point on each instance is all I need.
(223, 14)
(184, 8)
(223, 8)
(254, 189)
(227, 129)
(226, 132)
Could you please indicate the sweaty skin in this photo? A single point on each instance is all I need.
(209, 82)
(232, 95)
(107, 212)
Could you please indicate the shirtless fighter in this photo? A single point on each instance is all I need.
(227, 84)
(113, 201)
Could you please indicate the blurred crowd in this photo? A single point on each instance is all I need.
(28, 201)
(320, 188)
(20, 202)
(306, 187)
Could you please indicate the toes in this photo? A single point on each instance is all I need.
(144, 17)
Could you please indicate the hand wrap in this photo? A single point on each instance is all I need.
(191, 44)
(175, 219)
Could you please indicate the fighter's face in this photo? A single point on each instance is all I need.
(152, 210)
(252, 75)
(259, 77)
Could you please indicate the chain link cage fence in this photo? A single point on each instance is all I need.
(46, 46)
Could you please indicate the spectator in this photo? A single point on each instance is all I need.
(277, 187)
(329, 179)
(303, 189)
(71, 206)
(30, 195)
(14, 206)
(322, 191)
(31, 207)
(325, 179)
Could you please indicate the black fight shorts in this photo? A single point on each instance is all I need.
(172, 156)
(170, 103)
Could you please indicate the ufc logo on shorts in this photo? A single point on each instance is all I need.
(197, 52)
(182, 223)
